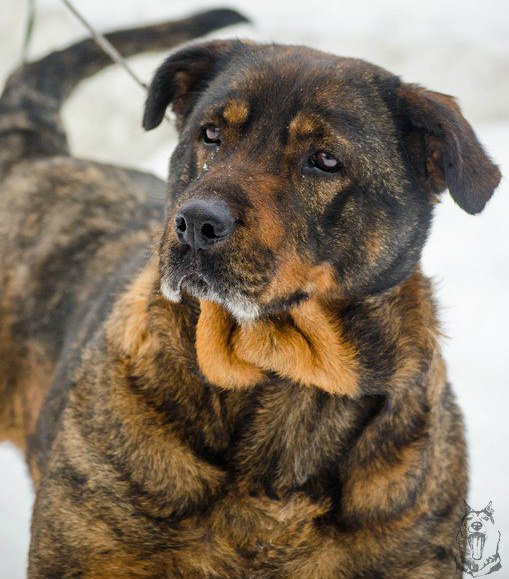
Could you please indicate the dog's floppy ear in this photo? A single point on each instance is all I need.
(443, 148)
(183, 76)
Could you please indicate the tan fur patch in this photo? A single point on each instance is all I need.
(127, 326)
(217, 359)
(20, 411)
(375, 246)
(307, 349)
(302, 125)
(236, 112)
(265, 221)
(384, 484)
(294, 275)
(417, 331)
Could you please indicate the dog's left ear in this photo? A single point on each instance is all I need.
(488, 509)
(182, 78)
(443, 148)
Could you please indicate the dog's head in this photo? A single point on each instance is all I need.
(477, 525)
(300, 173)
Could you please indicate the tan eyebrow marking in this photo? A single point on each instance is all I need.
(236, 112)
(303, 125)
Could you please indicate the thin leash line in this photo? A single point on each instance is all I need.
(109, 49)
(99, 38)
(106, 45)
(29, 30)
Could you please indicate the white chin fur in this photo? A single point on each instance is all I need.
(169, 293)
(243, 310)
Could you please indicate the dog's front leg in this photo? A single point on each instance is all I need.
(116, 489)
(106, 529)
(70, 541)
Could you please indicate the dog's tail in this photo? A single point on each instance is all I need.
(30, 124)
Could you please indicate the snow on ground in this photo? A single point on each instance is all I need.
(459, 47)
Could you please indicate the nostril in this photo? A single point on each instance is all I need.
(180, 224)
(208, 231)
(201, 224)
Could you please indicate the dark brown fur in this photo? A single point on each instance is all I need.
(290, 415)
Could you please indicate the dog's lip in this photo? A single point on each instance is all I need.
(180, 282)
(193, 277)
(173, 291)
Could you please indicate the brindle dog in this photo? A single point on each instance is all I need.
(264, 397)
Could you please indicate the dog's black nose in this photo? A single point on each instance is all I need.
(476, 526)
(201, 223)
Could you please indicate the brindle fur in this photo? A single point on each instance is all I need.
(288, 417)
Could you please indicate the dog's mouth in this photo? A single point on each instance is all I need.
(201, 286)
(476, 545)
(247, 286)
(196, 284)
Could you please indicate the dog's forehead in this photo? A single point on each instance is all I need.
(286, 79)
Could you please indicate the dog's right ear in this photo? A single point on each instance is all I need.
(443, 148)
(183, 77)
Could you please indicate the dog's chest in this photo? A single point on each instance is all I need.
(242, 535)
(282, 487)
(292, 440)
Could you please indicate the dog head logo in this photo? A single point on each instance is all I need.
(478, 542)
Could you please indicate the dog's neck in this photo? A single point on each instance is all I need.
(307, 346)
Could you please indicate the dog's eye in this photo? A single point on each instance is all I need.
(325, 161)
(211, 134)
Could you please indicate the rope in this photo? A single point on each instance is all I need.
(106, 45)
(28, 31)
(109, 49)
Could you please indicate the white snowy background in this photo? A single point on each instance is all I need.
(460, 47)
